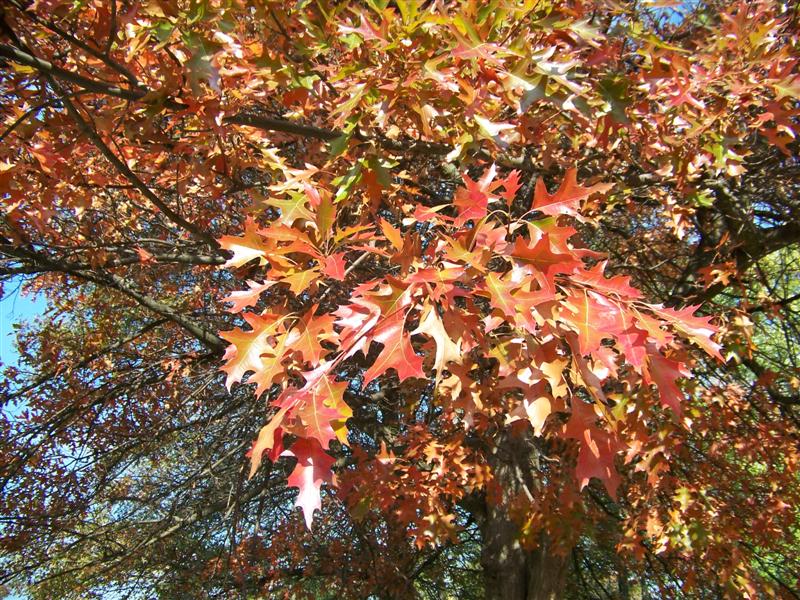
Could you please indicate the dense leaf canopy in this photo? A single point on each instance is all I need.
(401, 299)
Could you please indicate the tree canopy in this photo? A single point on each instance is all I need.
(401, 299)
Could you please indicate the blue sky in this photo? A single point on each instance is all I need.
(15, 308)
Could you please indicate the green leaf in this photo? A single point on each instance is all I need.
(465, 26)
(382, 167)
(197, 11)
(338, 145)
(702, 198)
(615, 91)
(408, 11)
(378, 5)
(347, 182)
(163, 30)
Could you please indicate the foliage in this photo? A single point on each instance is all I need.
(503, 295)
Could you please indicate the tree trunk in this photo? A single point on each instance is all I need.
(510, 571)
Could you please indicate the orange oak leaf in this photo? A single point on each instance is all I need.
(539, 255)
(145, 257)
(301, 279)
(534, 409)
(305, 336)
(322, 411)
(500, 295)
(335, 267)
(269, 438)
(392, 233)
(245, 248)
(566, 200)
(593, 317)
(247, 347)
(698, 329)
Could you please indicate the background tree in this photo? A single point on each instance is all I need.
(450, 258)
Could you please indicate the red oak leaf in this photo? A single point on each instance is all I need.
(397, 352)
(473, 199)
(597, 448)
(665, 372)
(335, 266)
(698, 329)
(270, 439)
(313, 468)
(619, 285)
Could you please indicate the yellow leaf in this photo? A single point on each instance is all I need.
(446, 350)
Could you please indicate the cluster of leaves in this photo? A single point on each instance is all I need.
(506, 307)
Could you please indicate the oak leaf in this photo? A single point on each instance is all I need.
(446, 349)
(397, 352)
(313, 468)
(566, 200)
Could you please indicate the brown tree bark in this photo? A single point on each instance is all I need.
(512, 572)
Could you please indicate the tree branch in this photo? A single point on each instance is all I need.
(126, 172)
(249, 119)
(209, 339)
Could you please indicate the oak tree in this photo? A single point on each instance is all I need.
(401, 299)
